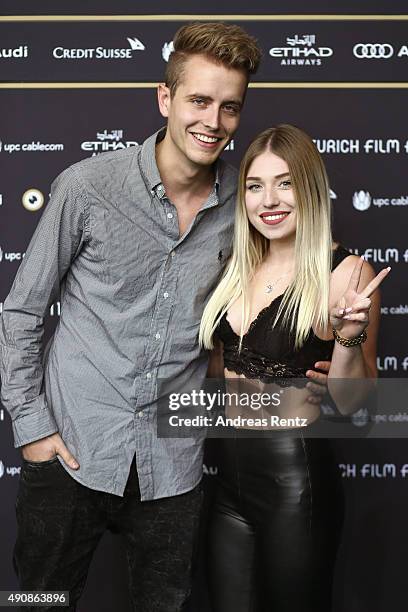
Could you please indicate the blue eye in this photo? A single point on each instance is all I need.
(254, 187)
(286, 184)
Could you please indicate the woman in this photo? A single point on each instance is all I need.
(288, 298)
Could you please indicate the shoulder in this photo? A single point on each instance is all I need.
(341, 274)
(227, 171)
(228, 183)
(344, 263)
(96, 172)
(110, 162)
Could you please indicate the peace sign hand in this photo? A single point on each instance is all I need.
(350, 315)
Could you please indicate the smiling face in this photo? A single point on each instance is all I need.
(204, 111)
(269, 197)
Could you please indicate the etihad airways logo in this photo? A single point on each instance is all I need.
(301, 51)
(100, 52)
(107, 141)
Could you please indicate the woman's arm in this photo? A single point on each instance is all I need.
(357, 309)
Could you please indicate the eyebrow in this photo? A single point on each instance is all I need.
(257, 178)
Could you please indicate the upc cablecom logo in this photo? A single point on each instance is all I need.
(11, 470)
(361, 200)
(10, 257)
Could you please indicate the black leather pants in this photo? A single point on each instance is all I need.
(275, 525)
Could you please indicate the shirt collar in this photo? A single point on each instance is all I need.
(151, 172)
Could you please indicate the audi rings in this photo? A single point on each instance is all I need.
(373, 50)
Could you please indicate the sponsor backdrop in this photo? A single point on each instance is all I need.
(74, 86)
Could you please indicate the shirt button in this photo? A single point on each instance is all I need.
(169, 215)
(148, 375)
(172, 254)
(165, 295)
(140, 414)
(157, 336)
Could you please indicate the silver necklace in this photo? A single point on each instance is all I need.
(271, 285)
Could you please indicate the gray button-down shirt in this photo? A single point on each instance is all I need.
(132, 294)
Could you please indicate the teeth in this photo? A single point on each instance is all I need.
(205, 138)
(274, 217)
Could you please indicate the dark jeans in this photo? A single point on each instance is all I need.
(60, 523)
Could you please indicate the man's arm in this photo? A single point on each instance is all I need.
(58, 238)
(317, 384)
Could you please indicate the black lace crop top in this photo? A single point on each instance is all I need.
(267, 352)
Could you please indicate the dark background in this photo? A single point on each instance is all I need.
(361, 102)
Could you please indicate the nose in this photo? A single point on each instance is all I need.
(212, 117)
(271, 197)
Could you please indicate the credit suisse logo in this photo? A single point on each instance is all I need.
(167, 50)
(134, 45)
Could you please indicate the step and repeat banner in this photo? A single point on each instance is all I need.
(74, 86)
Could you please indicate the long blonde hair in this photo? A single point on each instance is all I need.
(306, 301)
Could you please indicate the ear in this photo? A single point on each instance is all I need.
(164, 99)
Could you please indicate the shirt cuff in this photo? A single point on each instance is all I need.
(34, 426)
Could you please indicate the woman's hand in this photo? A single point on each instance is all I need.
(350, 316)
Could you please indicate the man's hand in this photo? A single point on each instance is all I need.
(46, 449)
(317, 384)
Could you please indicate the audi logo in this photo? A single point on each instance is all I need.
(373, 50)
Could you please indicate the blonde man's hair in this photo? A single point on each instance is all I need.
(226, 44)
(306, 301)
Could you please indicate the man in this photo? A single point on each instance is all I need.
(134, 241)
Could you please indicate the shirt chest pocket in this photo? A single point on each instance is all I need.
(205, 269)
